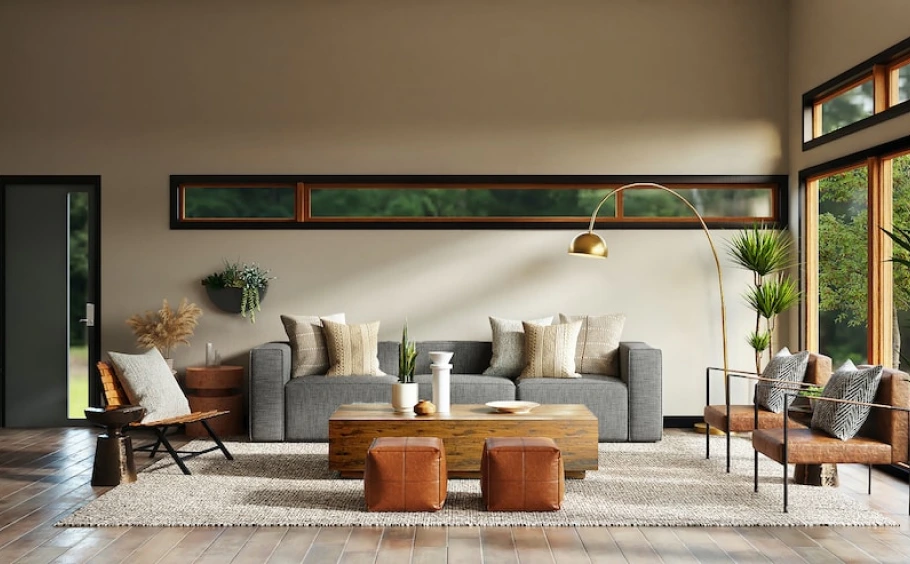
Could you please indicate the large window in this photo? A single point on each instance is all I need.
(869, 93)
(237, 203)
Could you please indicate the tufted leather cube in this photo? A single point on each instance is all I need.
(521, 474)
(405, 474)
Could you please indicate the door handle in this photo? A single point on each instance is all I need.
(89, 319)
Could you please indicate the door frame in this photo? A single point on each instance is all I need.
(93, 182)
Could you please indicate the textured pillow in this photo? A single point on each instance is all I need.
(353, 349)
(784, 366)
(148, 382)
(309, 355)
(844, 420)
(509, 346)
(598, 342)
(550, 350)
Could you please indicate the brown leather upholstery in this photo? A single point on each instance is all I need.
(405, 474)
(742, 418)
(882, 440)
(521, 474)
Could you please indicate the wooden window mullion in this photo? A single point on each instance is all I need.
(876, 335)
(880, 91)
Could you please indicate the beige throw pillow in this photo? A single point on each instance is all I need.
(148, 382)
(508, 346)
(550, 350)
(309, 355)
(598, 342)
(353, 349)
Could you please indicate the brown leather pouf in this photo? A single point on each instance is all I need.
(521, 474)
(405, 474)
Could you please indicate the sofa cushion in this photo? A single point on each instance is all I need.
(309, 355)
(353, 349)
(470, 388)
(509, 346)
(311, 400)
(598, 342)
(606, 396)
(550, 350)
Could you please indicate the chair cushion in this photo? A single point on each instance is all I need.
(353, 349)
(844, 420)
(148, 381)
(806, 446)
(598, 342)
(550, 350)
(509, 346)
(309, 355)
(786, 367)
(742, 418)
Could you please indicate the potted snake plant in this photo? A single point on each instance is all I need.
(404, 391)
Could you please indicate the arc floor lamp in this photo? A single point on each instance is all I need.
(591, 244)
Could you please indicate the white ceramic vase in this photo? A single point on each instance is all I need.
(442, 384)
(404, 397)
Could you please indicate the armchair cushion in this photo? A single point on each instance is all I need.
(844, 420)
(785, 367)
(147, 381)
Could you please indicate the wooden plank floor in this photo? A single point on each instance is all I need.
(45, 475)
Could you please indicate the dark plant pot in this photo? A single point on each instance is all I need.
(228, 299)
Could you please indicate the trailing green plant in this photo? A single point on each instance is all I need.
(811, 391)
(766, 253)
(407, 357)
(250, 278)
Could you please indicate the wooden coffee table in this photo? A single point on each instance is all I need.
(352, 429)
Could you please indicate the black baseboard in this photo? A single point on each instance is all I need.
(681, 421)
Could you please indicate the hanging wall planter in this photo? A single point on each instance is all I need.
(238, 288)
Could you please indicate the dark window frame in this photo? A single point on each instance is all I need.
(778, 183)
(879, 67)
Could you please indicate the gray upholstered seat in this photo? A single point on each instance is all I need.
(470, 388)
(607, 398)
(310, 400)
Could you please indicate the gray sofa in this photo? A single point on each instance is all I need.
(281, 408)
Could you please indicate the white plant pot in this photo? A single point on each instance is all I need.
(404, 397)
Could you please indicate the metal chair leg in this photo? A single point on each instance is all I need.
(170, 449)
(707, 441)
(217, 440)
(755, 470)
(869, 492)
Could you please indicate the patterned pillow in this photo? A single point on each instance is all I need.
(353, 349)
(509, 346)
(598, 342)
(844, 420)
(550, 350)
(784, 366)
(148, 382)
(309, 355)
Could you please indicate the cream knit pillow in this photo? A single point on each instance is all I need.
(309, 355)
(148, 382)
(598, 342)
(353, 349)
(550, 350)
(508, 346)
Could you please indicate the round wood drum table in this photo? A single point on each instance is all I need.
(216, 388)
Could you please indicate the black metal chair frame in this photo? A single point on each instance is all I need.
(178, 455)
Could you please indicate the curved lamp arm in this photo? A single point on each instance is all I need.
(591, 244)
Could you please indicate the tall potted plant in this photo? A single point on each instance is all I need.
(404, 392)
(238, 288)
(766, 253)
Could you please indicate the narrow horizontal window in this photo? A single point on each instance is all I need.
(239, 202)
(714, 202)
(900, 79)
(847, 107)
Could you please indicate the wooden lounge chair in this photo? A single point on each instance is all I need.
(116, 397)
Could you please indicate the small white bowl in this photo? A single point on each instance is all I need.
(441, 357)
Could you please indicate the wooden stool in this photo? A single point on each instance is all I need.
(521, 474)
(405, 474)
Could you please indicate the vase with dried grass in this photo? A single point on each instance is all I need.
(166, 328)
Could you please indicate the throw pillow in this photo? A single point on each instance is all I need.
(789, 368)
(148, 382)
(353, 349)
(844, 420)
(550, 350)
(309, 355)
(598, 342)
(509, 347)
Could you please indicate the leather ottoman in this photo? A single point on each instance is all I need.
(521, 474)
(405, 474)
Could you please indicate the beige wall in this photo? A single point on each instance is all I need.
(828, 37)
(138, 91)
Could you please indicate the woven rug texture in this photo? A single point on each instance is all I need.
(668, 483)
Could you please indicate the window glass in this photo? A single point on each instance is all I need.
(710, 202)
(848, 107)
(903, 84)
(900, 274)
(236, 202)
(843, 266)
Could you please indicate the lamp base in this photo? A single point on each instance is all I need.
(700, 429)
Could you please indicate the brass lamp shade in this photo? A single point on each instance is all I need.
(588, 244)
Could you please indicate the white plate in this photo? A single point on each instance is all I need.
(512, 406)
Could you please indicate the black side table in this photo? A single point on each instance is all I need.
(114, 463)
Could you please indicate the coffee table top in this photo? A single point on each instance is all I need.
(461, 412)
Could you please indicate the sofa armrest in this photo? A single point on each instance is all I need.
(270, 370)
(640, 367)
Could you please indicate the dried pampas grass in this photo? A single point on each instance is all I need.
(165, 328)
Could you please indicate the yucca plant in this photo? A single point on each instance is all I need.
(766, 253)
(407, 357)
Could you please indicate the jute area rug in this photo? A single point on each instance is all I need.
(666, 483)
